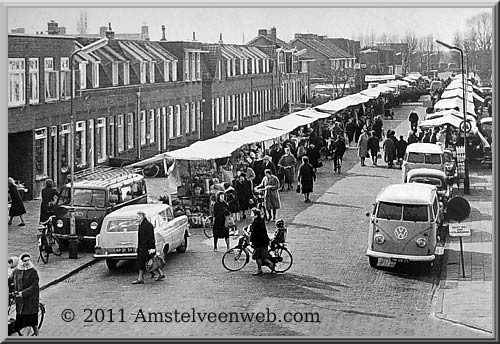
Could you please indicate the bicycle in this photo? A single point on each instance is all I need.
(337, 163)
(236, 258)
(11, 316)
(259, 202)
(48, 243)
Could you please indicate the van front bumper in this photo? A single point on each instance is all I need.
(117, 255)
(376, 254)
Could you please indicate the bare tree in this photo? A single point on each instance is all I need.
(480, 30)
(81, 24)
(410, 48)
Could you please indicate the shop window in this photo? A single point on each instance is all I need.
(171, 134)
(80, 144)
(101, 140)
(186, 116)
(41, 158)
(151, 127)
(143, 127)
(130, 130)
(111, 144)
(178, 121)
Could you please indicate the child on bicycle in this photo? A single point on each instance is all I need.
(279, 234)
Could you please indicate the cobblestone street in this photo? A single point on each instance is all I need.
(330, 276)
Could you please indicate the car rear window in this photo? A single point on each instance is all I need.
(433, 158)
(427, 180)
(416, 158)
(128, 225)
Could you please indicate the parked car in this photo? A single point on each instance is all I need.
(433, 177)
(117, 239)
(404, 224)
(427, 155)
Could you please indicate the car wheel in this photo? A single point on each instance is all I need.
(373, 261)
(111, 263)
(183, 247)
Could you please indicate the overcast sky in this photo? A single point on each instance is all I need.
(240, 25)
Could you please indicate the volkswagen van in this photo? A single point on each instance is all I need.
(423, 155)
(117, 239)
(404, 224)
(97, 193)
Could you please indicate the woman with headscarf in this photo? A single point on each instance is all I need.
(260, 242)
(306, 178)
(49, 199)
(221, 210)
(363, 147)
(12, 265)
(17, 205)
(27, 294)
(270, 184)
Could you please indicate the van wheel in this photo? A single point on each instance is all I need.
(183, 247)
(111, 263)
(373, 261)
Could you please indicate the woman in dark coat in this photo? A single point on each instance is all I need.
(146, 247)
(243, 192)
(49, 198)
(27, 293)
(390, 151)
(306, 178)
(17, 205)
(221, 210)
(313, 156)
(373, 147)
(260, 242)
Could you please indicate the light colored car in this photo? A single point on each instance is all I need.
(423, 155)
(433, 177)
(117, 239)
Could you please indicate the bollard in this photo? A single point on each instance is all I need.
(73, 247)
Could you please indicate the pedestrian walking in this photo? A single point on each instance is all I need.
(350, 128)
(389, 151)
(221, 210)
(146, 248)
(49, 200)
(288, 163)
(260, 242)
(401, 150)
(373, 147)
(363, 147)
(27, 293)
(267, 163)
(271, 185)
(412, 137)
(232, 200)
(314, 156)
(413, 119)
(12, 263)
(244, 193)
(306, 178)
(378, 126)
(17, 205)
(249, 172)
(339, 148)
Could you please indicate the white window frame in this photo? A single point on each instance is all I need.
(197, 116)
(34, 80)
(222, 108)
(186, 117)
(192, 72)
(174, 70)
(234, 66)
(92, 143)
(49, 67)
(130, 131)
(257, 67)
(55, 148)
(142, 121)
(164, 130)
(112, 136)
(217, 111)
(82, 67)
(158, 128)
(41, 134)
(151, 126)
(213, 114)
(166, 68)
(193, 117)
(228, 65)
(186, 67)
(126, 73)
(242, 66)
(229, 108)
(253, 66)
(233, 105)
(246, 66)
(171, 132)
(115, 67)
(219, 70)
(81, 126)
(101, 137)
(121, 133)
(143, 65)
(198, 66)
(95, 74)
(178, 131)
(65, 79)
(151, 72)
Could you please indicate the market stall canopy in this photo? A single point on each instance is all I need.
(343, 103)
(371, 78)
(375, 92)
(449, 112)
(452, 103)
(397, 83)
(439, 121)
(456, 92)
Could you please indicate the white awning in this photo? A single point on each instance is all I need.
(452, 103)
(450, 112)
(344, 102)
(370, 78)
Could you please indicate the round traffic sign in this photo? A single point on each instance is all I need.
(467, 125)
(458, 209)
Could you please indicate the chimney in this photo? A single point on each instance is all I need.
(110, 34)
(145, 33)
(262, 32)
(163, 33)
(52, 28)
(194, 36)
(102, 31)
(273, 35)
(220, 38)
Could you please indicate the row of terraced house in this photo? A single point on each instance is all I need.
(134, 98)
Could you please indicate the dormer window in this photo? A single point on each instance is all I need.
(95, 74)
(143, 71)
(151, 72)
(114, 71)
(126, 73)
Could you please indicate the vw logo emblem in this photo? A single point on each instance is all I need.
(400, 232)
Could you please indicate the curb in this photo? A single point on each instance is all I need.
(69, 274)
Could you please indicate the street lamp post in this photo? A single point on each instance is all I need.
(464, 105)
(73, 238)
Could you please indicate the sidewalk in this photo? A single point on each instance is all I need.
(23, 239)
(468, 300)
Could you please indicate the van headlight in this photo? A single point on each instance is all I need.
(379, 239)
(59, 223)
(94, 225)
(421, 242)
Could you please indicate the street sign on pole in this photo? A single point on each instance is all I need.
(459, 230)
(465, 125)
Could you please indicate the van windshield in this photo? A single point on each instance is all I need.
(83, 198)
(394, 211)
(122, 225)
(427, 158)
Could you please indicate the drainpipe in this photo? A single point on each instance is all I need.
(139, 124)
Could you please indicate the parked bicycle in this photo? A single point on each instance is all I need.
(48, 243)
(258, 202)
(11, 316)
(237, 258)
